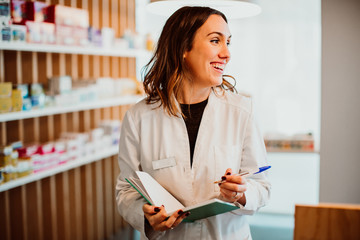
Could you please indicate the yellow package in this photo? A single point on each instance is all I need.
(5, 104)
(5, 89)
(17, 100)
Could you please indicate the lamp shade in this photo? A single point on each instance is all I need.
(231, 8)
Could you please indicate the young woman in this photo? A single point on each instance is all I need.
(192, 115)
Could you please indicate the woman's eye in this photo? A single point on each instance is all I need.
(215, 41)
(228, 43)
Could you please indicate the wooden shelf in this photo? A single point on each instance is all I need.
(124, 100)
(58, 169)
(114, 52)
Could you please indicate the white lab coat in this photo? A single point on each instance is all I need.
(228, 138)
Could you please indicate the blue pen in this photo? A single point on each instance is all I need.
(248, 173)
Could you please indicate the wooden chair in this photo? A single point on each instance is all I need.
(327, 222)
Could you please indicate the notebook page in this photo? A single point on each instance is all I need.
(158, 194)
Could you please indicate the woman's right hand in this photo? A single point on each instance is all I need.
(159, 220)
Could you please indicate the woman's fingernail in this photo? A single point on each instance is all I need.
(187, 214)
(228, 173)
(180, 212)
(223, 178)
(156, 209)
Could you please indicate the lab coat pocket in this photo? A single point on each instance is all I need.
(226, 156)
(164, 163)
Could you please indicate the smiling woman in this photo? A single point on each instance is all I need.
(188, 48)
(192, 115)
(206, 60)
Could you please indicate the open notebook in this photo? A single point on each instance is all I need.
(156, 195)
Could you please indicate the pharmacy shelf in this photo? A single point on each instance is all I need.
(58, 169)
(114, 52)
(291, 151)
(111, 102)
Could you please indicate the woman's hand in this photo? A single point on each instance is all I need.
(159, 220)
(233, 188)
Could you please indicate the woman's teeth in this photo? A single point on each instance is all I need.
(218, 66)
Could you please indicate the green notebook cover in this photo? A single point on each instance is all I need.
(199, 211)
(207, 209)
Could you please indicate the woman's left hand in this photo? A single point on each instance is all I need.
(233, 187)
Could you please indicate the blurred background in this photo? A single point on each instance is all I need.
(69, 70)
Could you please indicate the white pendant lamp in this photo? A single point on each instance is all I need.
(231, 8)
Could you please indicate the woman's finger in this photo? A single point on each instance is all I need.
(228, 171)
(147, 208)
(235, 187)
(156, 220)
(168, 224)
(180, 219)
(231, 196)
(234, 179)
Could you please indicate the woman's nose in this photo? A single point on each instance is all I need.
(225, 53)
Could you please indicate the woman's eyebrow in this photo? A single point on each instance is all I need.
(218, 33)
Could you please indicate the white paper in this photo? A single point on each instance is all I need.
(158, 194)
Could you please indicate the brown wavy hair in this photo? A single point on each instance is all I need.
(166, 69)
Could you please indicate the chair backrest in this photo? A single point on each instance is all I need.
(327, 222)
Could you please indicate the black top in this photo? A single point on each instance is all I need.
(193, 114)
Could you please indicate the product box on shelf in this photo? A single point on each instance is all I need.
(294, 143)
(107, 37)
(68, 16)
(28, 150)
(33, 11)
(37, 95)
(112, 129)
(25, 101)
(64, 35)
(5, 89)
(1, 176)
(97, 138)
(24, 167)
(5, 12)
(125, 86)
(40, 32)
(33, 31)
(80, 35)
(59, 85)
(48, 33)
(24, 89)
(18, 33)
(94, 36)
(5, 34)
(5, 104)
(17, 12)
(14, 158)
(17, 100)
(75, 144)
(16, 145)
(5, 155)
(5, 21)
(105, 87)
(9, 173)
(9, 163)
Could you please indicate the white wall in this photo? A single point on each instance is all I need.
(340, 102)
(276, 58)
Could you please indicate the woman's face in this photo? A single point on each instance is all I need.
(209, 55)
